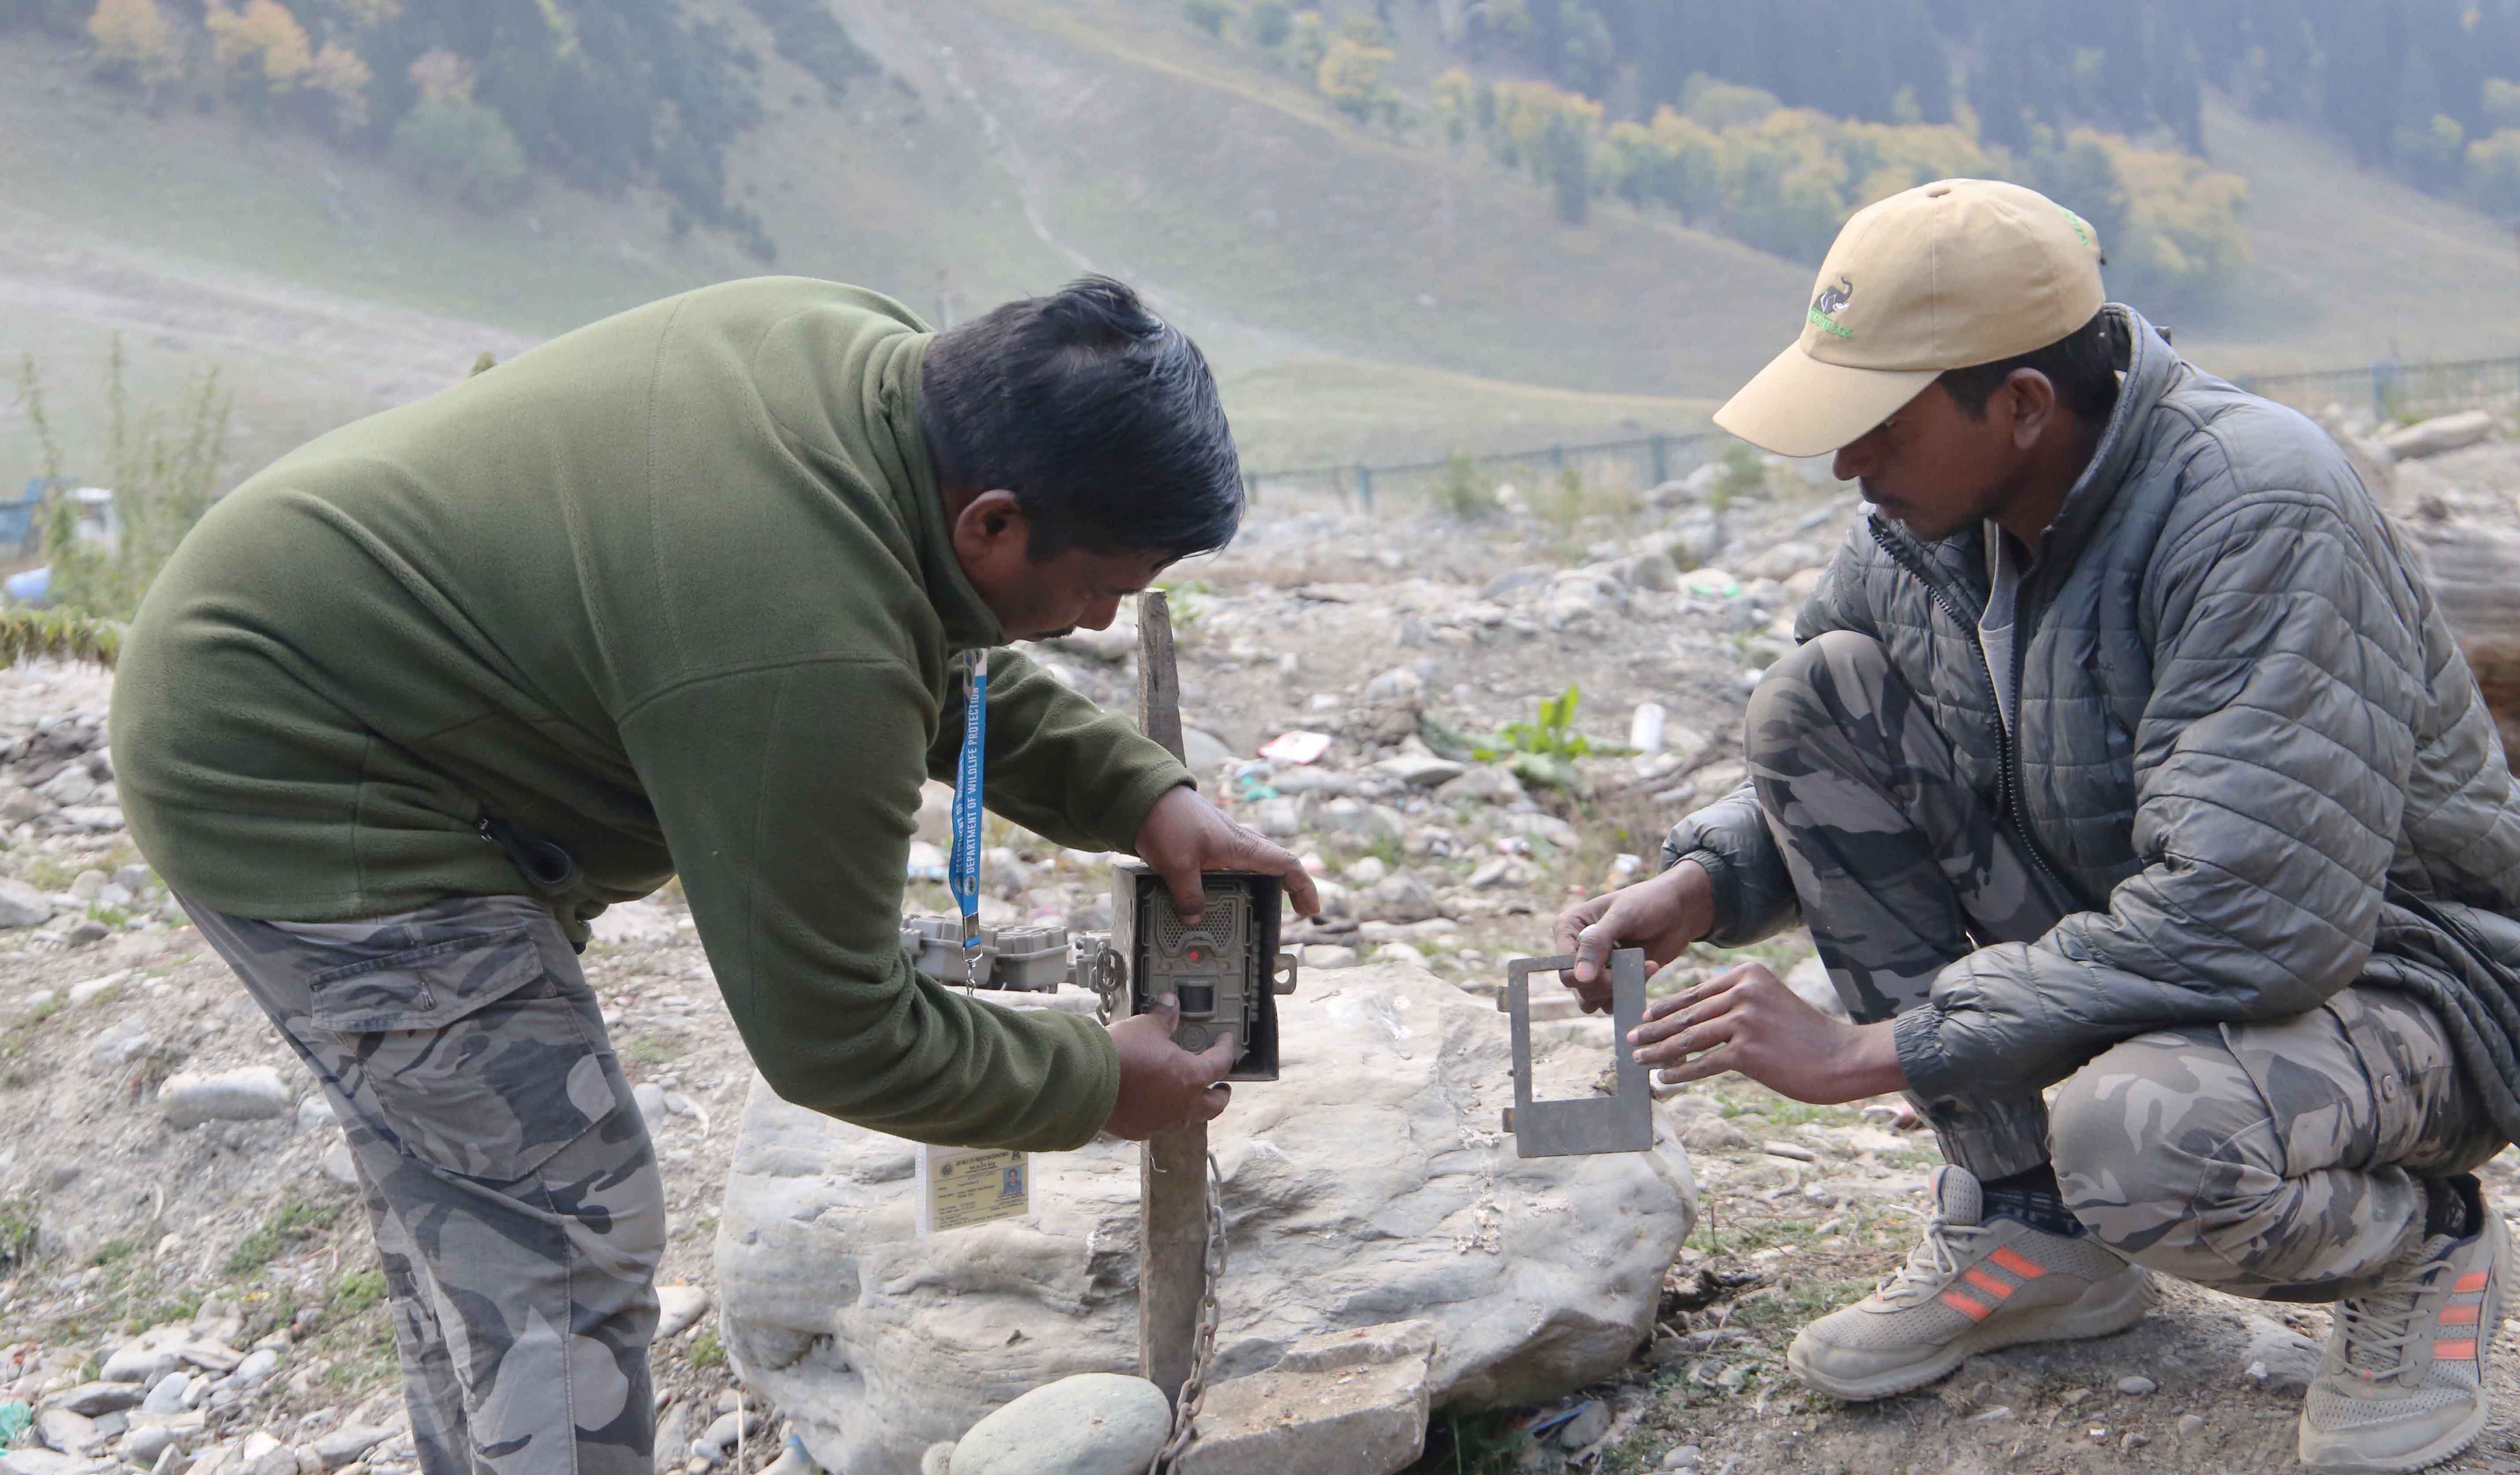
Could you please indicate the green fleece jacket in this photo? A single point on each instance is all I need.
(674, 591)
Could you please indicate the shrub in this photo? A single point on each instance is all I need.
(460, 148)
(1208, 15)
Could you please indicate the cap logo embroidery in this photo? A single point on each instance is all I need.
(1832, 300)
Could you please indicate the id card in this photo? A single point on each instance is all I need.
(961, 1186)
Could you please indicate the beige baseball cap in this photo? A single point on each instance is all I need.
(1944, 275)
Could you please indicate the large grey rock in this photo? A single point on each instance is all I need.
(23, 905)
(1369, 1184)
(2441, 432)
(1400, 897)
(1094, 1423)
(249, 1094)
(1418, 769)
(1351, 1400)
(1810, 981)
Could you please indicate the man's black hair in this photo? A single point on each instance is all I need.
(2083, 365)
(1100, 417)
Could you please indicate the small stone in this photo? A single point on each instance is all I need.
(167, 1396)
(251, 1094)
(94, 988)
(2191, 1424)
(2136, 1439)
(1092, 1423)
(1713, 1133)
(171, 1460)
(1996, 1414)
(2278, 1359)
(678, 1306)
(85, 933)
(96, 1399)
(257, 1365)
(338, 1165)
(938, 1460)
(141, 1446)
(1794, 1151)
(1329, 956)
(134, 879)
(1685, 1457)
(67, 1432)
(2137, 1387)
(1400, 952)
(316, 1110)
(1589, 1425)
(134, 1362)
(31, 1461)
(23, 905)
(650, 1100)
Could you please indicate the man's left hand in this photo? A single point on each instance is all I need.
(1184, 834)
(1745, 1019)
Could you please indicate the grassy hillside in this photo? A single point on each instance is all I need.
(1362, 295)
(2350, 265)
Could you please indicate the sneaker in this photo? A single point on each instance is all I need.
(1970, 1287)
(2403, 1385)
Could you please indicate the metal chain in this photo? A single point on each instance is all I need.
(1203, 1346)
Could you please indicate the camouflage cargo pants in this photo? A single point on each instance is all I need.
(2273, 1160)
(504, 1166)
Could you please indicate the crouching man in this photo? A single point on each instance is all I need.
(688, 591)
(2123, 752)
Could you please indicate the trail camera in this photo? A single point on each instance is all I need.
(1226, 971)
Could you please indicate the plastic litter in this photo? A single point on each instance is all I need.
(1297, 748)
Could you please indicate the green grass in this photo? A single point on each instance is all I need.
(707, 1351)
(354, 1292)
(295, 1220)
(649, 1050)
(18, 1232)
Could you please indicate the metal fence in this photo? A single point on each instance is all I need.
(1637, 464)
(2386, 390)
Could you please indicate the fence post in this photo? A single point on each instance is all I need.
(1364, 486)
(2380, 376)
(1661, 459)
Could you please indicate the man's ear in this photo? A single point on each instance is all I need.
(2033, 405)
(990, 526)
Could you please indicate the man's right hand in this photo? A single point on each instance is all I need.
(1164, 1088)
(1662, 916)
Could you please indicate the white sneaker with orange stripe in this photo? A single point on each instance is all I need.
(1970, 1287)
(2402, 1386)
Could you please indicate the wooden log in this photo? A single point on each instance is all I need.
(2475, 571)
(1172, 1166)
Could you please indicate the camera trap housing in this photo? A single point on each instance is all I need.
(1226, 971)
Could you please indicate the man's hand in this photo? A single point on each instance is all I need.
(1164, 1088)
(1662, 916)
(1184, 834)
(1746, 1020)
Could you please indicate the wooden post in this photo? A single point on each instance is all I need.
(1172, 1166)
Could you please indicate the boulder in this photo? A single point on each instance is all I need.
(1367, 1185)
(1488, 784)
(2441, 432)
(1095, 1423)
(1418, 769)
(250, 1094)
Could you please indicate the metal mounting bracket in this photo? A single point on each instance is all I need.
(1622, 1122)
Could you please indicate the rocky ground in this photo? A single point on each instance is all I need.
(183, 1269)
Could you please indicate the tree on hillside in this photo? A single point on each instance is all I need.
(132, 43)
(261, 49)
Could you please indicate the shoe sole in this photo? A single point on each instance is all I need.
(2455, 1443)
(2109, 1307)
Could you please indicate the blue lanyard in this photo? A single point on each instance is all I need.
(963, 874)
